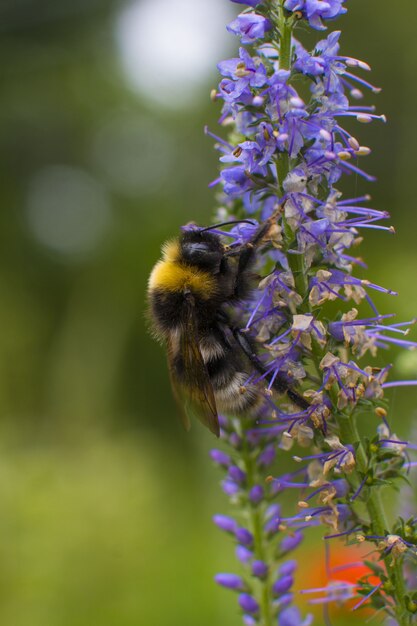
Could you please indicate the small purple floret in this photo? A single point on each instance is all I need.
(282, 585)
(228, 524)
(250, 27)
(229, 487)
(251, 3)
(259, 569)
(267, 456)
(220, 457)
(256, 494)
(248, 603)
(290, 542)
(237, 474)
(288, 567)
(244, 537)
(290, 616)
(317, 10)
(243, 554)
(230, 581)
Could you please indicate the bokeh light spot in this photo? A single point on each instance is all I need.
(67, 209)
(134, 155)
(168, 49)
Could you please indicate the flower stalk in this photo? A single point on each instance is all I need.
(262, 549)
(313, 320)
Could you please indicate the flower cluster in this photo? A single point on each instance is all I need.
(311, 316)
(316, 11)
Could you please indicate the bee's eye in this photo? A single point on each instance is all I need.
(195, 250)
(201, 253)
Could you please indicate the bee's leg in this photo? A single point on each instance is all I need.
(247, 251)
(279, 384)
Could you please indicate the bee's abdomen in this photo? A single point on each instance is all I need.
(228, 379)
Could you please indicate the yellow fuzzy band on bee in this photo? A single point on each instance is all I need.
(171, 250)
(173, 276)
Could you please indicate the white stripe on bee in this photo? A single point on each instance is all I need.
(174, 336)
(211, 348)
(234, 396)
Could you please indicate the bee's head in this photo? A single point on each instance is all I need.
(201, 248)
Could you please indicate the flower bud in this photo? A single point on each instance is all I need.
(220, 457)
(256, 494)
(259, 569)
(282, 585)
(244, 537)
(248, 603)
(228, 524)
(231, 581)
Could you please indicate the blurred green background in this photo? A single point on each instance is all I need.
(105, 503)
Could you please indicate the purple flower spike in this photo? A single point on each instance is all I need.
(259, 569)
(284, 147)
(248, 603)
(231, 581)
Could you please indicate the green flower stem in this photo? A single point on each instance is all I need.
(282, 165)
(285, 44)
(297, 267)
(255, 518)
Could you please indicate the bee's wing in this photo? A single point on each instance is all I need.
(193, 391)
(177, 389)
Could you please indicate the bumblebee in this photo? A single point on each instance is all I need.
(192, 291)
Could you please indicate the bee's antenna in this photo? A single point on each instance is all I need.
(202, 230)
